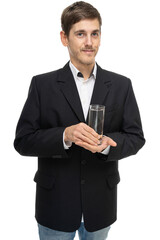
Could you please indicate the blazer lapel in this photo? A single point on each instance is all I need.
(101, 87)
(69, 90)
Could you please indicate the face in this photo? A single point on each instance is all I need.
(83, 42)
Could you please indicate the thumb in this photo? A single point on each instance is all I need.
(111, 142)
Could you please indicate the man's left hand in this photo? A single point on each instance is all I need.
(106, 141)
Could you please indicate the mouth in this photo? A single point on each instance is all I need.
(88, 51)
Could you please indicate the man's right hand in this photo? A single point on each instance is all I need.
(81, 133)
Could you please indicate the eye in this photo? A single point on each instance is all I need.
(80, 35)
(95, 34)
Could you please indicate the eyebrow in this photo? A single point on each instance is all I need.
(83, 31)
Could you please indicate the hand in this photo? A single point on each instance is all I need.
(106, 141)
(84, 136)
(81, 133)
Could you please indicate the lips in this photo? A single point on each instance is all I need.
(88, 50)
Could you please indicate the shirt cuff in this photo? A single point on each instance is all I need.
(106, 151)
(67, 144)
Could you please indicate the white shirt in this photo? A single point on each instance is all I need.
(85, 87)
(85, 90)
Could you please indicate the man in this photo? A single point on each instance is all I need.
(77, 177)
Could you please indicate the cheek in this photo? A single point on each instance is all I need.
(98, 44)
(74, 49)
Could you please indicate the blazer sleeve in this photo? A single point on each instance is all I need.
(31, 139)
(130, 138)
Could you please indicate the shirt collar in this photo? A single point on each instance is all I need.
(75, 71)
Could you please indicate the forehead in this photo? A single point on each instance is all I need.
(87, 25)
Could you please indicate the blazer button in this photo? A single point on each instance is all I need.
(82, 181)
(83, 162)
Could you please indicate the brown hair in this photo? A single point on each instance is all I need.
(76, 12)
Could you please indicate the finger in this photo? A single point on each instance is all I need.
(109, 141)
(112, 143)
(83, 131)
(90, 136)
(86, 146)
(80, 136)
(91, 131)
(89, 147)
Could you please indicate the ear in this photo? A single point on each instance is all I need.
(64, 38)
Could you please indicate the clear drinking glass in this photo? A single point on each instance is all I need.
(96, 118)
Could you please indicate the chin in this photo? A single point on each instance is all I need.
(87, 62)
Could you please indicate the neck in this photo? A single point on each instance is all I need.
(85, 69)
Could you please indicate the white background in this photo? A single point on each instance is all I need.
(30, 45)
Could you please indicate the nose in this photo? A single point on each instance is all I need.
(88, 41)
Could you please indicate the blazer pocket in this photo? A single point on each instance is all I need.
(43, 180)
(113, 179)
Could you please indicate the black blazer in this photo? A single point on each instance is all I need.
(75, 181)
